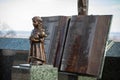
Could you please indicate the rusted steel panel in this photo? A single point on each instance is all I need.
(56, 30)
(85, 44)
(99, 42)
(60, 36)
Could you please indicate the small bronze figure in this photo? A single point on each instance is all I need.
(37, 51)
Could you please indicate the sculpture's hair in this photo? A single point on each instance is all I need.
(40, 26)
(39, 19)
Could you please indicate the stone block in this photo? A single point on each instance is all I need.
(20, 73)
(43, 72)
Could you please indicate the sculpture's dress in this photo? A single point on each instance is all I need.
(37, 52)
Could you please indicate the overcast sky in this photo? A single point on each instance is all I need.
(106, 7)
(17, 14)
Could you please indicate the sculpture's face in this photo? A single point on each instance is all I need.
(35, 23)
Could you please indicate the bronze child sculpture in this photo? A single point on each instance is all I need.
(37, 51)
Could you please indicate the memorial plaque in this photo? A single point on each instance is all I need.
(55, 27)
(76, 46)
(85, 44)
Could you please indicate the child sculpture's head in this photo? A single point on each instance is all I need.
(36, 21)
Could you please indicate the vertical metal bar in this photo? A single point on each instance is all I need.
(82, 7)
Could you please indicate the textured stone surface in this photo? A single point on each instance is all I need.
(43, 72)
(86, 78)
(19, 73)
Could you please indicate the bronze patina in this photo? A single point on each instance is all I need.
(37, 51)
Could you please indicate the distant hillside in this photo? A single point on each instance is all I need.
(115, 36)
(15, 34)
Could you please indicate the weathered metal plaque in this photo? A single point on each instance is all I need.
(85, 44)
(56, 27)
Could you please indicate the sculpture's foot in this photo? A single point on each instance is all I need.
(39, 63)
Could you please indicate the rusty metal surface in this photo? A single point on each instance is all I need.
(85, 44)
(56, 30)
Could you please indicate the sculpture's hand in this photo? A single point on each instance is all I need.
(34, 39)
(42, 40)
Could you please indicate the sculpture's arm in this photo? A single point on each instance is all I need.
(34, 39)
